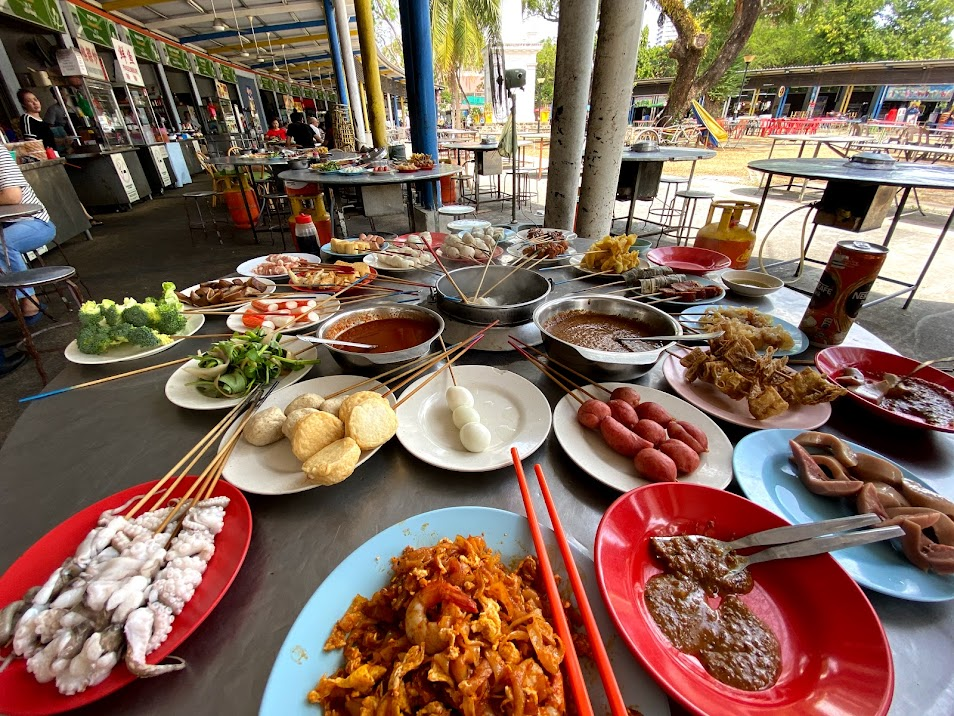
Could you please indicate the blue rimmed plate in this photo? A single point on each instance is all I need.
(801, 340)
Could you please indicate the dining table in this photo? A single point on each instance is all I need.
(73, 449)
(480, 150)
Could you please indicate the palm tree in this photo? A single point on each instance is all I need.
(459, 31)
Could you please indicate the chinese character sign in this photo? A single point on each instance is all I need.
(128, 64)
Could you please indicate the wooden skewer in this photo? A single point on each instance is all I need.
(580, 278)
(416, 373)
(101, 380)
(440, 263)
(599, 287)
(449, 368)
(528, 265)
(563, 366)
(395, 279)
(553, 376)
(379, 378)
(450, 361)
(483, 275)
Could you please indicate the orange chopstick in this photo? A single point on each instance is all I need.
(617, 705)
(574, 673)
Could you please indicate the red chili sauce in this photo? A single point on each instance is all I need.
(388, 334)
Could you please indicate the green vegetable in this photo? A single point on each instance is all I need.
(142, 314)
(147, 325)
(94, 339)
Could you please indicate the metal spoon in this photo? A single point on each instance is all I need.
(877, 391)
(326, 341)
(684, 337)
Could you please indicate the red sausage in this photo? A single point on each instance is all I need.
(592, 413)
(697, 433)
(650, 430)
(627, 395)
(678, 432)
(653, 411)
(686, 459)
(621, 439)
(655, 465)
(624, 413)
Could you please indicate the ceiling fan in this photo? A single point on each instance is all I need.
(218, 24)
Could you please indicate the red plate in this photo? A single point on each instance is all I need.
(19, 691)
(689, 259)
(874, 364)
(835, 656)
(355, 290)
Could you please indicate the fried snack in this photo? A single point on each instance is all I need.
(333, 463)
(453, 631)
(757, 327)
(371, 423)
(314, 432)
(265, 427)
(611, 253)
(347, 405)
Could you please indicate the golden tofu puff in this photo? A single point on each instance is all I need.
(305, 400)
(293, 418)
(265, 427)
(348, 404)
(315, 432)
(371, 423)
(333, 463)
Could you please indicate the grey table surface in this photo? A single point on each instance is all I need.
(71, 450)
(668, 154)
(481, 146)
(917, 176)
(18, 211)
(242, 160)
(372, 178)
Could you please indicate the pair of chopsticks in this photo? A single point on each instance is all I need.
(574, 672)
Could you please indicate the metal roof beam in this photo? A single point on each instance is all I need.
(113, 5)
(227, 34)
(276, 9)
(292, 61)
(282, 41)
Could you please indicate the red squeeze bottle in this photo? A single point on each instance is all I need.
(322, 222)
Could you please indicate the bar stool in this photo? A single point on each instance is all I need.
(667, 211)
(197, 221)
(522, 189)
(690, 198)
(277, 210)
(455, 210)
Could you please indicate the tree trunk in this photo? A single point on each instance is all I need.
(460, 87)
(455, 103)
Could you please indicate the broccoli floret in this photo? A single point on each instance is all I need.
(111, 312)
(142, 314)
(169, 294)
(120, 333)
(93, 339)
(144, 337)
(171, 319)
(89, 314)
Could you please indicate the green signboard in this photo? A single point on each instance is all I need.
(308, 93)
(95, 28)
(177, 58)
(227, 74)
(40, 12)
(266, 83)
(143, 45)
(283, 87)
(204, 66)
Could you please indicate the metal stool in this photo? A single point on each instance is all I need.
(522, 189)
(198, 221)
(690, 198)
(666, 212)
(42, 277)
(455, 210)
(277, 211)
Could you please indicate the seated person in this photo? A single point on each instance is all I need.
(276, 131)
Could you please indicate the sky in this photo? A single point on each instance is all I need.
(536, 29)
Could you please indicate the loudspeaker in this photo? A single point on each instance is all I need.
(515, 79)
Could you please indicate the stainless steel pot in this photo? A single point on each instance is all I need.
(606, 365)
(376, 362)
(297, 163)
(513, 301)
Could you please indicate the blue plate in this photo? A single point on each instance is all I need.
(761, 466)
(302, 661)
(349, 257)
(801, 340)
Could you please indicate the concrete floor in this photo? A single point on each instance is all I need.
(134, 252)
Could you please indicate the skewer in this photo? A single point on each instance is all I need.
(88, 383)
(601, 286)
(527, 265)
(580, 278)
(574, 672)
(396, 279)
(378, 378)
(553, 376)
(483, 275)
(563, 366)
(449, 368)
(416, 373)
(475, 339)
(446, 272)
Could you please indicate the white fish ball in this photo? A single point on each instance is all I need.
(457, 395)
(450, 252)
(467, 252)
(475, 437)
(465, 414)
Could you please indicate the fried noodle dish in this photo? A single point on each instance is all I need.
(454, 631)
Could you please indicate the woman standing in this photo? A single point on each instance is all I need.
(31, 124)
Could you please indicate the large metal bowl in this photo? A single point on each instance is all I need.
(377, 362)
(606, 365)
(515, 298)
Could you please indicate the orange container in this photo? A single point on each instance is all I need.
(448, 190)
(237, 209)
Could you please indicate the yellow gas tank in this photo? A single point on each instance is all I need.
(729, 235)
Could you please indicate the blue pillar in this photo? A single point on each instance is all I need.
(876, 101)
(395, 111)
(781, 103)
(331, 26)
(419, 70)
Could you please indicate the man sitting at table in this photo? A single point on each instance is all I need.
(300, 133)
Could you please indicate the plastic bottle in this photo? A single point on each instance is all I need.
(322, 221)
(306, 235)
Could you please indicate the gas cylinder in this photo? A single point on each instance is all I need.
(729, 235)
(244, 211)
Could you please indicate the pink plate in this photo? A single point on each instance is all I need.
(689, 259)
(835, 656)
(19, 691)
(874, 364)
(710, 399)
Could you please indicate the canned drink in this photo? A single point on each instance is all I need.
(842, 291)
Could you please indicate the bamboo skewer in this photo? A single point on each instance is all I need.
(450, 361)
(419, 371)
(107, 379)
(440, 263)
(563, 366)
(483, 275)
(378, 378)
(580, 278)
(552, 375)
(601, 286)
(528, 265)
(449, 368)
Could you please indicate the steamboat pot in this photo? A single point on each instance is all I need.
(512, 302)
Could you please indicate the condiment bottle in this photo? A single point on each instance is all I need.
(322, 221)
(306, 235)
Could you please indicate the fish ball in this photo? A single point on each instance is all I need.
(475, 437)
(305, 400)
(265, 427)
(467, 252)
(465, 414)
(291, 422)
(450, 252)
(332, 405)
(456, 396)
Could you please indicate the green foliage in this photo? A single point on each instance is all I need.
(547, 9)
(653, 61)
(546, 63)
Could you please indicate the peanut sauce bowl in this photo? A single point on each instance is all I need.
(621, 365)
(400, 325)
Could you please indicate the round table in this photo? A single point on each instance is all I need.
(73, 449)
(335, 181)
(479, 149)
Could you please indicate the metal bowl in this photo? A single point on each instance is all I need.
(515, 298)
(606, 365)
(376, 362)
(297, 164)
(645, 145)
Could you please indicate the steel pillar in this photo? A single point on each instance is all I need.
(372, 72)
(613, 70)
(419, 70)
(347, 57)
(168, 98)
(571, 91)
(341, 82)
(395, 107)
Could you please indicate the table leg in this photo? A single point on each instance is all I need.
(765, 191)
(897, 216)
(410, 208)
(248, 209)
(692, 172)
(771, 152)
(333, 203)
(930, 258)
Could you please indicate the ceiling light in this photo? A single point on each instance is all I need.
(245, 53)
(219, 25)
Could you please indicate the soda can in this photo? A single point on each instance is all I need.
(842, 291)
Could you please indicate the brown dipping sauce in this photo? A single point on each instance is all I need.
(914, 396)
(599, 331)
(387, 334)
(731, 643)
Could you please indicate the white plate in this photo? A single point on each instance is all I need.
(245, 268)
(181, 392)
(467, 224)
(125, 352)
(592, 455)
(269, 288)
(328, 306)
(372, 261)
(710, 399)
(348, 257)
(577, 263)
(516, 249)
(513, 409)
(524, 233)
(274, 469)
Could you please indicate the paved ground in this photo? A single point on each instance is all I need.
(134, 252)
